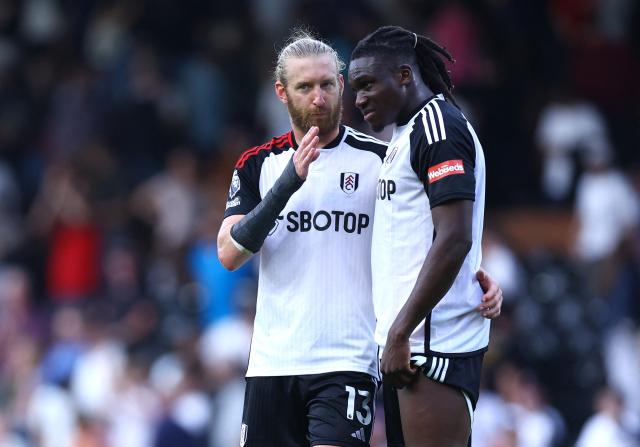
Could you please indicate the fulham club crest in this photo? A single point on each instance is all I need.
(349, 181)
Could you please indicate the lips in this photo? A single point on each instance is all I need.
(368, 114)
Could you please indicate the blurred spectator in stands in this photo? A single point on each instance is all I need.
(493, 423)
(90, 433)
(188, 417)
(17, 316)
(462, 34)
(219, 286)
(100, 367)
(500, 260)
(71, 120)
(106, 188)
(624, 305)
(272, 118)
(41, 21)
(607, 211)
(568, 128)
(274, 17)
(51, 416)
(536, 423)
(139, 329)
(169, 201)
(62, 215)
(224, 350)
(9, 438)
(121, 276)
(206, 93)
(108, 38)
(139, 119)
(606, 427)
(134, 409)
(18, 378)
(621, 352)
(65, 347)
(11, 231)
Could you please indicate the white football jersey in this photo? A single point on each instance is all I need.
(314, 310)
(434, 158)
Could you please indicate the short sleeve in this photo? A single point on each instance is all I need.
(244, 192)
(443, 155)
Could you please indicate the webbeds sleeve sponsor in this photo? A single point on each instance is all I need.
(445, 169)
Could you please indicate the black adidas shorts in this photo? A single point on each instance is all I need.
(463, 373)
(293, 411)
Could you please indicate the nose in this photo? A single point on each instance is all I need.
(361, 100)
(318, 98)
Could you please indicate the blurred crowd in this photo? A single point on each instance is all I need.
(120, 122)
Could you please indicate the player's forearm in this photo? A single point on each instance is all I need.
(436, 276)
(230, 254)
(251, 231)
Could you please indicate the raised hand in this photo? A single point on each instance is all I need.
(307, 152)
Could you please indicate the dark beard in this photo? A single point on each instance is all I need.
(304, 120)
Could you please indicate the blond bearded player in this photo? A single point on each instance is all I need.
(305, 201)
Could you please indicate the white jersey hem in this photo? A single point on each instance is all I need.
(304, 371)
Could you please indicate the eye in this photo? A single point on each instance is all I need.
(362, 86)
(304, 87)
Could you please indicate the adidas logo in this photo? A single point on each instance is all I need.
(359, 434)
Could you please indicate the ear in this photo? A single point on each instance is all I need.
(281, 92)
(405, 75)
(341, 83)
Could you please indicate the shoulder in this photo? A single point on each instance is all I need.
(440, 121)
(364, 142)
(257, 154)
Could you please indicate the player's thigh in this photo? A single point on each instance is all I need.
(341, 409)
(434, 415)
(273, 413)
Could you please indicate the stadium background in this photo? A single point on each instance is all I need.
(119, 125)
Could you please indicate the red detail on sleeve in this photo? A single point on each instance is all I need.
(445, 169)
(278, 142)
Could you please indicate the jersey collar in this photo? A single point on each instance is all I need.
(417, 109)
(330, 145)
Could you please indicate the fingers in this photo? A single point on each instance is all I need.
(307, 152)
(488, 285)
(492, 296)
(491, 313)
(491, 305)
(310, 153)
(309, 142)
(312, 132)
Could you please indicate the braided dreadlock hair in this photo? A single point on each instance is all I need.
(397, 42)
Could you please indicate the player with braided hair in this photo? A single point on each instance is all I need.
(426, 239)
(397, 41)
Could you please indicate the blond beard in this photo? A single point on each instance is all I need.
(304, 120)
